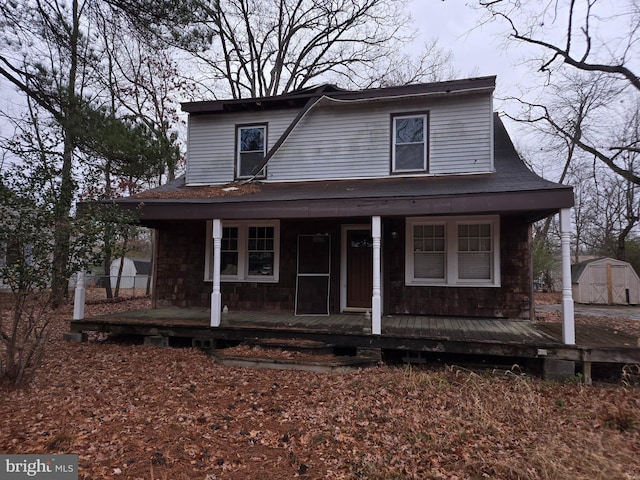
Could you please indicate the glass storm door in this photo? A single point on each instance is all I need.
(314, 270)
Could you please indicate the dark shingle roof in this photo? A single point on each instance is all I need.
(299, 98)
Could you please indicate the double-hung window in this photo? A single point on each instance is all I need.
(251, 149)
(475, 251)
(229, 252)
(249, 251)
(453, 251)
(260, 250)
(410, 145)
(429, 252)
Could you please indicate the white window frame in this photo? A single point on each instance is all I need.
(425, 142)
(451, 251)
(243, 252)
(239, 129)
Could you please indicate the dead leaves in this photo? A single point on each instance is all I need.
(215, 191)
(135, 412)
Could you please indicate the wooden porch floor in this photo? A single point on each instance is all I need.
(404, 332)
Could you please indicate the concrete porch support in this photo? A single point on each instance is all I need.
(216, 295)
(376, 300)
(79, 297)
(568, 320)
(559, 370)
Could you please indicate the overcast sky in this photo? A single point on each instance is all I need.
(478, 50)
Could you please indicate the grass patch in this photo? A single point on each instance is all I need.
(60, 441)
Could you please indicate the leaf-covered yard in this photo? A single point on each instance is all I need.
(139, 412)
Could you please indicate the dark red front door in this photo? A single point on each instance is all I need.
(359, 268)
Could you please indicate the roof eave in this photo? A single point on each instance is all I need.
(296, 99)
(522, 203)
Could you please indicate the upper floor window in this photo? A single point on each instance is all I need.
(251, 149)
(409, 152)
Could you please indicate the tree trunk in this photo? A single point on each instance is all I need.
(62, 208)
(124, 251)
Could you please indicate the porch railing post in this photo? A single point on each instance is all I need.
(376, 301)
(79, 297)
(216, 296)
(568, 320)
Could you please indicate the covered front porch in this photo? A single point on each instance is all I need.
(372, 281)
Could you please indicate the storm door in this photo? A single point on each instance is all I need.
(359, 268)
(314, 270)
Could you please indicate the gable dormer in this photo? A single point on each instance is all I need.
(443, 128)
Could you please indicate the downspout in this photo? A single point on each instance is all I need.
(312, 102)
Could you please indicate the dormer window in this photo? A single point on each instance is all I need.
(251, 149)
(409, 152)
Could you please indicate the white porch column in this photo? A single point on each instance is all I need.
(568, 321)
(376, 301)
(216, 296)
(79, 297)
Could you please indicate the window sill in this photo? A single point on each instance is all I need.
(453, 285)
(245, 280)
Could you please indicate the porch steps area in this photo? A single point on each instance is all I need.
(309, 347)
(295, 354)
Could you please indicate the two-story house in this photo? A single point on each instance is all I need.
(402, 200)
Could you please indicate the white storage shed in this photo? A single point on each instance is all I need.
(605, 281)
(134, 272)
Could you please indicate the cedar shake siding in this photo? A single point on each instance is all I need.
(180, 265)
(510, 300)
(180, 273)
(281, 296)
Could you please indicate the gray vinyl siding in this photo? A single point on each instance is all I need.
(346, 140)
(211, 143)
(342, 141)
(209, 151)
(461, 136)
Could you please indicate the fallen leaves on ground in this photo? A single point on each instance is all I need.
(140, 412)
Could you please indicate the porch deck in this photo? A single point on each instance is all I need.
(489, 337)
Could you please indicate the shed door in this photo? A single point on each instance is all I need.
(359, 268)
(608, 284)
(598, 284)
(618, 285)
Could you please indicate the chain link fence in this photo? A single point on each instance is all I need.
(129, 286)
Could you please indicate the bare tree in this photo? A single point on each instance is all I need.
(255, 48)
(599, 38)
(50, 54)
(617, 201)
(584, 213)
(142, 81)
(53, 83)
(576, 106)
